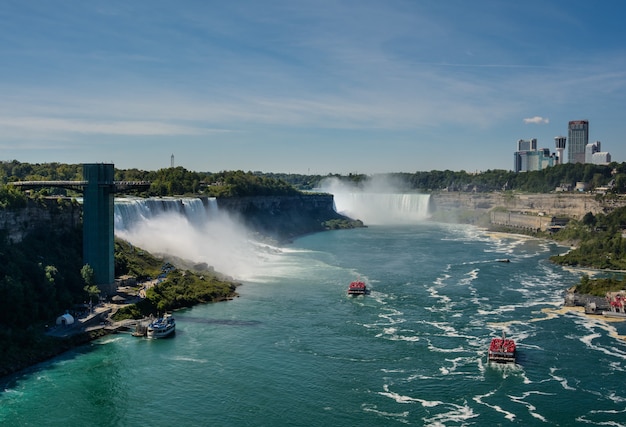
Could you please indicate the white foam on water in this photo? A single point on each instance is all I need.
(456, 363)
(612, 414)
(398, 398)
(189, 359)
(457, 415)
(393, 335)
(560, 380)
(615, 398)
(591, 325)
(435, 349)
(480, 399)
(532, 410)
(108, 340)
(398, 416)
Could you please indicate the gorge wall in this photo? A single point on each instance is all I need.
(39, 214)
(572, 205)
(283, 217)
(531, 211)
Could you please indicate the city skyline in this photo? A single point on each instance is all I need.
(319, 87)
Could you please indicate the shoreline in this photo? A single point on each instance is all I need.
(48, 346)
(565, 308)
(580, 311)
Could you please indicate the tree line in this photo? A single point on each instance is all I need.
(180, 181)
(164, 182)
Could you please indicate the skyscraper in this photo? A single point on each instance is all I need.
(578, 138)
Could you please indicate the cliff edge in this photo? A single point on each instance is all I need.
(284, 217)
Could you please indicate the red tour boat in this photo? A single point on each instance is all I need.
(357, 288)
(502, 350)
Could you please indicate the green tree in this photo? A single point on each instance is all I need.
(88, 275)
(93, 293)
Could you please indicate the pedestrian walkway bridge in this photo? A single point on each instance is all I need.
(118, 186)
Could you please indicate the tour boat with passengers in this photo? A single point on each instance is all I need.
(502, 350)
(357, 287)
(162, 327)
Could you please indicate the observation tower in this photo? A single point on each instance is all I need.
(559, 141)
(98, 188)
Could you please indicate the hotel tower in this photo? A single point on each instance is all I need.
(577, 138)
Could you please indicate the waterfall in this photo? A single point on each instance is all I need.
(383, 208)
(193, 229)
(132, 211)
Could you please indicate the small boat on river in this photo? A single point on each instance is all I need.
(502, 350)
(357, 287)
(162, 327)
(617, 305)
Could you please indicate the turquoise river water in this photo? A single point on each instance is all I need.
(295, 350)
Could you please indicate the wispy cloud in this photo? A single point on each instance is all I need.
(248, 76)
(538, 120)
(45, 125)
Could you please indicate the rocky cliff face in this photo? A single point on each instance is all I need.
(572, 205)
(283, 217)
(47, 213)
(520, 211)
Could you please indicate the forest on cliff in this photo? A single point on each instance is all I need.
(600, 241)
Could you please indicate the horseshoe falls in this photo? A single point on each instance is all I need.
(383, 208)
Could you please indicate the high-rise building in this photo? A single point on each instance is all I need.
(578, 137)
(559, 142)
(526, 144)
(532, 159)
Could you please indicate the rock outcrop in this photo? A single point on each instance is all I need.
(283, 217)
(43, 213)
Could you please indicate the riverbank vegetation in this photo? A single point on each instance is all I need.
(600, 241)
(176, 287)
(39, 280)
(181, 289)
(600, 286)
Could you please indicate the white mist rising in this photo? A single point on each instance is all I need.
(379, 202)
(193, 232)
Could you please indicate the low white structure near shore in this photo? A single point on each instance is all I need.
(65, 319)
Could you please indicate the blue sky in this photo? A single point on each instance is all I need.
(307, 86)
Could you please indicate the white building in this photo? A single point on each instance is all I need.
(595, 156)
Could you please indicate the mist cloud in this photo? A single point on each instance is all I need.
(379, 200)
(221, 241)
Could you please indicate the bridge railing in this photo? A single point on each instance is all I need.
(117, 186)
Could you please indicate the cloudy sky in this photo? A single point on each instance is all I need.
(306, 86)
